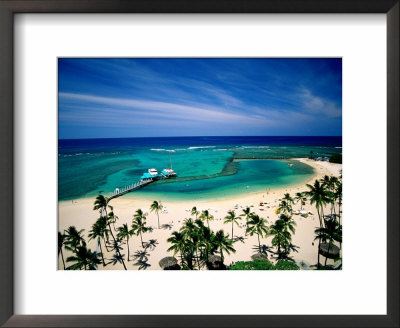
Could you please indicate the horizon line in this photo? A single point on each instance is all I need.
(293, 136)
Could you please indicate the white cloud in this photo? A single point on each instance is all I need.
(314, 104)
(129, 111)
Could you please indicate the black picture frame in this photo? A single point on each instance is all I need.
(10, 7)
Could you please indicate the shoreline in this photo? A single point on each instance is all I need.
(306, 161)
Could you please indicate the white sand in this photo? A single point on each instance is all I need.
(80, 214)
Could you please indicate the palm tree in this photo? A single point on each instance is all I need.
(199, 238)
(124, 232)
(257, 225)
(319, 197)
(285, 207)
(192, 237)
(299, 198)
(338, 196)
(188, 226)
(139, 224)
(61, 240)
(73, 238)
(206, 241)
(288, 222)
(178, 242)
(330, 183)
(247, 213)
(282, 237)
(195, 211)
(99, 230)
(202, 234)
(102, 223)
(330, 233)
(289, 200)
(100, 204)
(84, 258)
(232, 218)
(223, 243)
(156, 207)
(277, 230)
(111, 217)
(205, 215)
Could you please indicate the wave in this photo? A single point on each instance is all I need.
(338, 147)
(253, 147)
(200, 147)
(162, 149)
(77, 154)
(222, 149)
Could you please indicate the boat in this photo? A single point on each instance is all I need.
(168, 173)
(152, 171)
(150, 174)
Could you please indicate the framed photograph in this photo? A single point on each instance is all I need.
(163, 159)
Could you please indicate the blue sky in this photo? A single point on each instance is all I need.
(110, 98)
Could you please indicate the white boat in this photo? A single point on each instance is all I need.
(153, 171)
(168, 172)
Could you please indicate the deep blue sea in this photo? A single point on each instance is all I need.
(207, 167)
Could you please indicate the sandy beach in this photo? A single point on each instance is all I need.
(80, 213)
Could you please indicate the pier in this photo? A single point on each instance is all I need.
(135, 186)
(146, 179)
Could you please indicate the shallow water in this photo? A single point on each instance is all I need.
(207, 167)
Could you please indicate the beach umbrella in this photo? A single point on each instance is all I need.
(333, 250)
(169, 263)
(259, 256)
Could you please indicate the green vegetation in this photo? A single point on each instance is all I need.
(264, 265)
(253, 265)
(286, 265)
(336, 158)
(195, 243)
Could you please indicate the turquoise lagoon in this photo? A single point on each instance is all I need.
(207, 167)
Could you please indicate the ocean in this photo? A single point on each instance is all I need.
(207, 167)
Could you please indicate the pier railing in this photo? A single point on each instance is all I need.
(122, 191)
